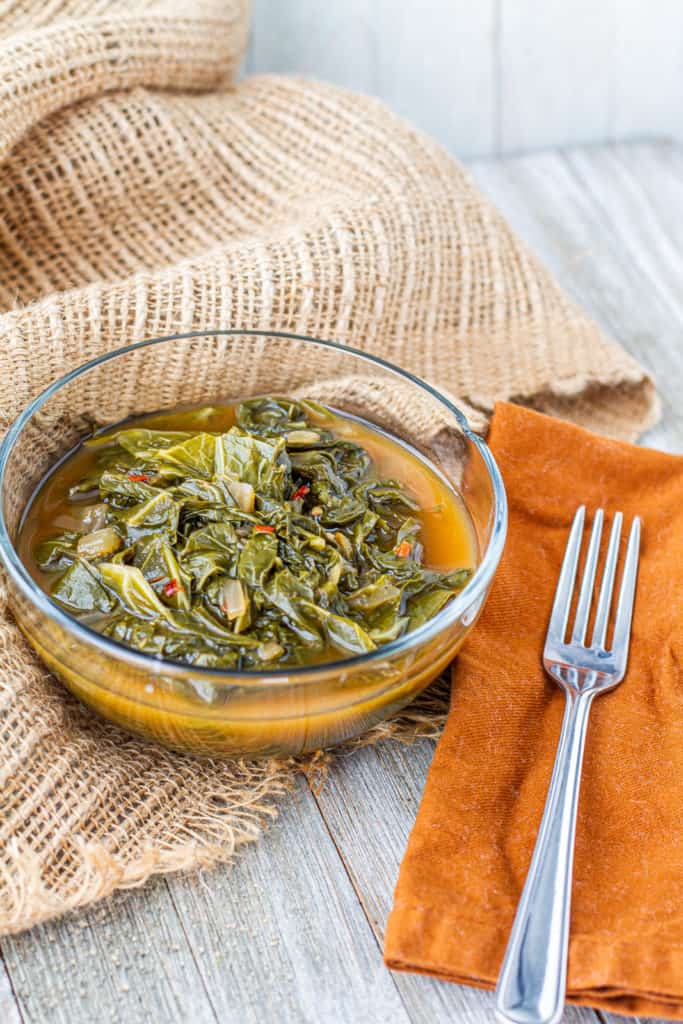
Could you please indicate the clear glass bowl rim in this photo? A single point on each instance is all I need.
(149, 662)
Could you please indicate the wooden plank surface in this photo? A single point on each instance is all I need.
(9, 1008)
(422, 57)
(123, 961)
(429, 56)
(557, 45)
(646, 59)
(597, 225)
(493, 76)
(299, 38)
(293, 931)
(282, 937)
(369, 804)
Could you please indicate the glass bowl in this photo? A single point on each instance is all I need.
(276, 712)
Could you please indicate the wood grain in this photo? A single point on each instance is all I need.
(613, 1018)
(495, 76)
(430, 57)
(338, 46)
(578, 212)
(425, 58)
(282, 937)
(124, 961)
(9, 1009)
(370, 803)
(555, 84)
(646, 66)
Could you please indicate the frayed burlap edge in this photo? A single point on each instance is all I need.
(217, 837)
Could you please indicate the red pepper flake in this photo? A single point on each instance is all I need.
(135, 477)
(155, 579)
(300, 492)
(403, 549)
(258, 528)
(172, 588)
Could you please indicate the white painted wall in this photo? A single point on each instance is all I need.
(491, 76)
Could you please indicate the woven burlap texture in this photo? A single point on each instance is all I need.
(143, 193)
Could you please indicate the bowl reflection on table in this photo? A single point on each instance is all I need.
(276, 712)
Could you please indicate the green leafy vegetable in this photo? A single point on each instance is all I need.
(128, 584)
(57, 553)
(272, 543)
(80, 589)
(259, 462)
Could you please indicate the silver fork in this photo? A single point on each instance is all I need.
(533, 978)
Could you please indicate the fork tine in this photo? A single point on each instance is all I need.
(608, 573)
(586, 592)
(622, 623)
(557, 626)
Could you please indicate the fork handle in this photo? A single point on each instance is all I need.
(533, 978)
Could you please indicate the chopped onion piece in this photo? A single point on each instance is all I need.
(243, 494)
(99, 543)
(269, 650)
(234, 600)
(303, 437)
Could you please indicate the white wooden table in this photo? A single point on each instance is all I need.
(293, 932)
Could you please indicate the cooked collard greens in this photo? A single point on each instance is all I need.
(273, 543)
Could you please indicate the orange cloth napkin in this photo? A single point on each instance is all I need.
(469, 851)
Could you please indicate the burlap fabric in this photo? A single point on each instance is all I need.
(143, 194)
